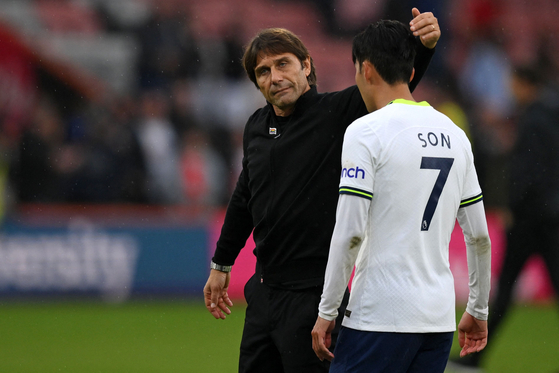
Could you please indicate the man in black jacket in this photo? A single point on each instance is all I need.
(286, 196)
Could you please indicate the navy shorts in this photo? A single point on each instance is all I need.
(374, 352)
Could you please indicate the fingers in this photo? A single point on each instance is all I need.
(466, 349)
(426, 26)
(227, 300)
(322, 338)
(320, 348)
(472, 334)
(208, 300)
(211, 306)
(215, 295)
(324, 353)
(218, 309)
(461, 338)
(472, 346)
(422, 19)
(222, 305)
(218, 305)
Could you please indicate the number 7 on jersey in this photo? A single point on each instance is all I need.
(443, 165)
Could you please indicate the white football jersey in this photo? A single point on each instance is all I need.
(414, 168)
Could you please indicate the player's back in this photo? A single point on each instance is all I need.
(419, 162)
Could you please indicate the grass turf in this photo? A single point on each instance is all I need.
(132, 337)
(180, 336)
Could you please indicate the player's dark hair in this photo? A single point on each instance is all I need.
(274, 41)
(390, 47)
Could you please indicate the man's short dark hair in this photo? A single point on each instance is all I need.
(274, 41)
(390, 47)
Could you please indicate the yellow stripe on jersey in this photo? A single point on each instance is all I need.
(356, 192)
(471, 201)
(408, 102)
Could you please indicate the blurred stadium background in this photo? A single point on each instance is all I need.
(120, 129)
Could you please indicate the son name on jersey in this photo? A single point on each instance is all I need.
(434, 140)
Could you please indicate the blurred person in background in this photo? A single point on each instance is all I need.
(37, 170)
(533, 195)
(182, 108)
(130, 175)
(114, 169)
(286, 195)
(159, 144)
(169, 50)
(100, 162)
(203, 172)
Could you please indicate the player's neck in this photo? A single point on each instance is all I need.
(389, 93)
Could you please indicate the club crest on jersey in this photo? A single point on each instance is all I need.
(353, 173)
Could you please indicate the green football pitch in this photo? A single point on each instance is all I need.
(180, 336)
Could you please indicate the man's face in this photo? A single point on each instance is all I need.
(282, 79)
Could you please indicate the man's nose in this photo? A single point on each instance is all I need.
(276, 75)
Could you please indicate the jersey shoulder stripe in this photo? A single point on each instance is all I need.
(356, 192)
(471, 201)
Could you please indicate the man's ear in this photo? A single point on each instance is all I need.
(371, 74)
(368, 70)
(412, 74)
(307, 66)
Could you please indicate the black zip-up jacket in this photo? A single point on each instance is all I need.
(533, 165)
(287, 192)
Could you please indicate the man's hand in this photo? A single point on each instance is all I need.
(426, 26)
(472, 334)
(215, 294)
(322, 338)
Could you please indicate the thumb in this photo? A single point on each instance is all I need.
(415, 12)
(461, 338)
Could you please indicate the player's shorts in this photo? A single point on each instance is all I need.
(375, 352)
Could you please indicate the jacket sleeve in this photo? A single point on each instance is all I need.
(422, 60)
(238, 223)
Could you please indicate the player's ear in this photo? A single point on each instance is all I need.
(412, 74)
(371, 74)
(368, 70)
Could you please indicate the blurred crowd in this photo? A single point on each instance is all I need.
(175, 138)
